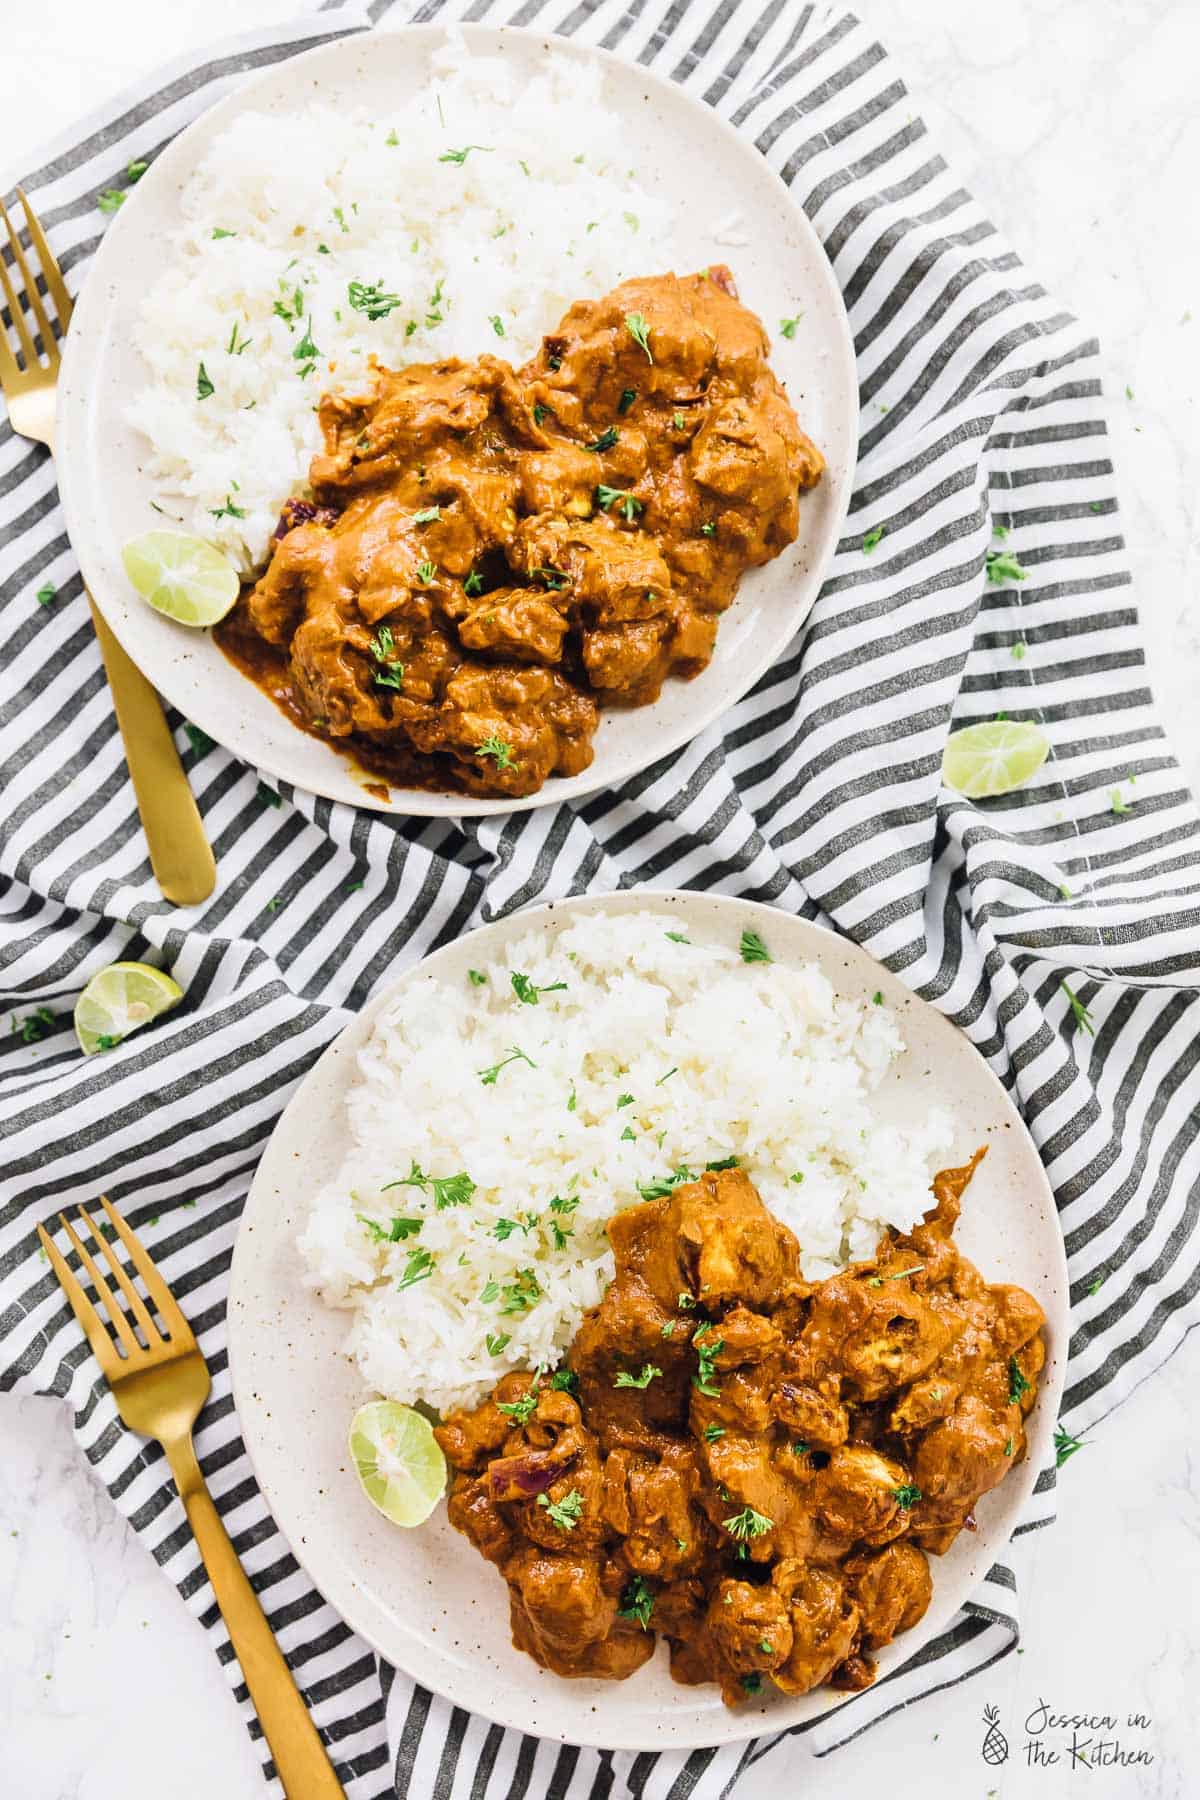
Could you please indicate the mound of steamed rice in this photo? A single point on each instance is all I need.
(480, 210)
(641, 1056)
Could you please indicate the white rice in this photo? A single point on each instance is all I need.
(722, 1058)
(542, 211)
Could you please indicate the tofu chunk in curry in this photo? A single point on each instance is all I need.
(491, 555)
(755, 1466)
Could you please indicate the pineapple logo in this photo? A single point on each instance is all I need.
(995, 1744)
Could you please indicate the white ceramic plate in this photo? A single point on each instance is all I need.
(781, 271)
(424, 1598)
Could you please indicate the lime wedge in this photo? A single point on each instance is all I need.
(398, 1459)
(994, 758)
(181, 576)
(121, 999)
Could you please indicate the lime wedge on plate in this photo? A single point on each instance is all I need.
(181, 576)
(398, 1460)
(984, 760)
(119, 1000)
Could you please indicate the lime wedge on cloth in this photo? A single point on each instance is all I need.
(398, 1459)
(119, 1000)
(181, 576)
(994, 758)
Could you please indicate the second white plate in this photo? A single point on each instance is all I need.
(423, 1598)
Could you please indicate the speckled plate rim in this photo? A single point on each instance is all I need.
(423, 1599)
(783, 268)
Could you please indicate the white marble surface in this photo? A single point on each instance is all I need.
(1075, 122)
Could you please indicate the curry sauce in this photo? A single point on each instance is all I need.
(754, 1465)
(490, 556)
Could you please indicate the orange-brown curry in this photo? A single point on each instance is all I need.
(752, 1464)
(491, 553)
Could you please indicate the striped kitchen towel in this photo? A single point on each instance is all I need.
(1058, 927)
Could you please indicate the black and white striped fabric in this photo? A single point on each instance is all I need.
(818, 793)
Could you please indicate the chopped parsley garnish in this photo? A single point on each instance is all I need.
(539, 413)
(639, 331)
(473, 584)
(306, 352)
(686, 1303)
(877, 998)
(1003, 566)
(668, 1330)
(799, 1448)
(452, 1190)
(204, 386)
(662, 1184)
(111, 199)
(748, 1524)
(1017, 650)
(628, 396)
(1117, 802)
(637, 1602)
(554, 579)
(368, 297)
(504, 1228)
(628, 1136)
(788, 326)
(753, 949)
(46, 594)
(33, 1029)
(488, 1076)
(340, 216)
(878, 1280)
(496, 323)
(496, 1342)
(708, 530)
(677, 421)
(713, 1432)
(447, 1190)
(527, 992)
(564, 1204)
(872, 538)
(522, 1410)
(460, 156)
(219, 231)
(624, 1100)
(419, 1267)
(726, 1162)
(391, 672)
(564, 1381)
(199, 740)
(752, 1682)
(1080, 1012)
(1065, 1445)
(228, 511)
(520, 1294)
(416, 1177)
(605, 441)
(476, 978)
(1095, 1286)
(647, 1374)
(677, 937)
(498, 750)
(395, 1233)
(427, 515)
(572, 1099)
(234, 347)
(906, 1497)
(567, 1512)
(608, 496)
(426, 572)
(706, 1380)
(667, 1077)
(1017, 1384)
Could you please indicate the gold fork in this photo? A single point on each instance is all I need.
(179, 851)
(160, 1386)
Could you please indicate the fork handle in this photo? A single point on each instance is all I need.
(300, 1758)
(180, 854)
